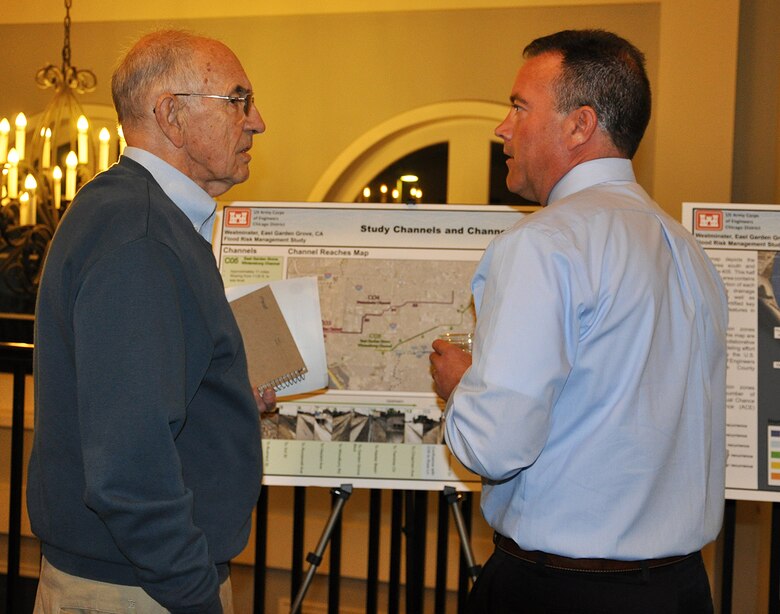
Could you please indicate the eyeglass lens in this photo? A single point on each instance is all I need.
(249, 100)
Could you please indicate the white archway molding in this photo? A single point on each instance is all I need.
(466, 125)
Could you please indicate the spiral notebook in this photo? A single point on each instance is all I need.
(287, 354)
(272, 356)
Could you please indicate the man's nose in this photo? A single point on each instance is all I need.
(254, 121)
(502, 131)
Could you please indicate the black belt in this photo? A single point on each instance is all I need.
(555, 561)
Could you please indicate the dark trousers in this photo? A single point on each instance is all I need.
(508, 585)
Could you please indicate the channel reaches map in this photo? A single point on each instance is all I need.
(381, 316)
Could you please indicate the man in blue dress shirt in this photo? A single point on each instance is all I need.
(594, 407)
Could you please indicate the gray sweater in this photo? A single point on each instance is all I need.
(146, 460)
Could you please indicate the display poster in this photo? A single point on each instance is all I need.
(743, 241)
(391, 279)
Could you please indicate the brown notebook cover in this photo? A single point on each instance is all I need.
(272, 356)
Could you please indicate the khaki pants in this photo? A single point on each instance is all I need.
(61, 593)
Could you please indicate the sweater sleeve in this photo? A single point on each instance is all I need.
(130, 366)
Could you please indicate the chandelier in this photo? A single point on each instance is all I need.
(44, 162)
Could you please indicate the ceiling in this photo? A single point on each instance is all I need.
(85, 11)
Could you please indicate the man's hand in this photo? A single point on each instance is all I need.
(266, 400)
(448, 364)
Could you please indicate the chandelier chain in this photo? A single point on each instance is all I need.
(66, 42)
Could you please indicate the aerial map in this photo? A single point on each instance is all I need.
(381, 316)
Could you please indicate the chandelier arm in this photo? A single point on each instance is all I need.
(49, 76)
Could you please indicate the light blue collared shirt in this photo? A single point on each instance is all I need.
(193, 200)
(595, 404)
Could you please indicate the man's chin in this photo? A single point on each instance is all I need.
(515, 187)
(241, 175)
(521, 189)
(218, 187)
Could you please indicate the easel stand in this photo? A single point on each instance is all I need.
(343, 493)
(453, 498)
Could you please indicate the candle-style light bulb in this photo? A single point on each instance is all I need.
(5, 130)
(71, 161)
(13, 173)
(21, 133)
(82, 125)
(104, 137)
(30, 186)
(24, 209)
(46, 155)
(56, 176)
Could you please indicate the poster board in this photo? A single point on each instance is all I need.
(391, 279)
(743, 241)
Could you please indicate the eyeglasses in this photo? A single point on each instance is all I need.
(248, 99)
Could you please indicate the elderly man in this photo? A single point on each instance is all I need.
(146, 461)
(594, 407)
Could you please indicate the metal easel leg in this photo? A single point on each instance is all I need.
(315, 558)
(453, 498)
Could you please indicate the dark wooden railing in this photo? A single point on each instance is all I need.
(15, 358)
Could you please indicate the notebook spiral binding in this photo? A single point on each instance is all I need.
(283, 381)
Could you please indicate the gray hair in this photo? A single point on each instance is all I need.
(160, 61)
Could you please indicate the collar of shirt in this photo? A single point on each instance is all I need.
(187, 195)
(590, 173)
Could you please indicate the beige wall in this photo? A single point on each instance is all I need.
(323, 80)
(757, 108)
(756, 179)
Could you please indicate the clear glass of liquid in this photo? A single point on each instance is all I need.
(462, 340)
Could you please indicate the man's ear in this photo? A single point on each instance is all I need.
(169, 119)
(583, 122)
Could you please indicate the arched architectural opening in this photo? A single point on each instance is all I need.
(458, 138)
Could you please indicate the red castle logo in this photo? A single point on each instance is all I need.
(238, 217)
(709, 219)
